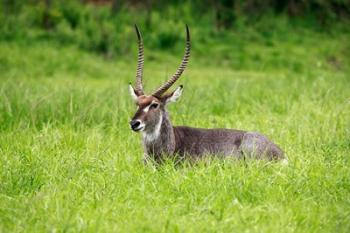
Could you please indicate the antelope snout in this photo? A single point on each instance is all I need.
(136, 125)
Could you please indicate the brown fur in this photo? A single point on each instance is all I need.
(193, 143)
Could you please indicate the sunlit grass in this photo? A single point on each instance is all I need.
(69, 161)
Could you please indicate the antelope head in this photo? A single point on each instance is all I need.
(150, 107)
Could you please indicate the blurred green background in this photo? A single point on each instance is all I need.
(105, 26)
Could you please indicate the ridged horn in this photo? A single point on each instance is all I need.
(140, 62)
(180, 70)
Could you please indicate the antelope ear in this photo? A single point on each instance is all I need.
(174, 96)
(132, 92)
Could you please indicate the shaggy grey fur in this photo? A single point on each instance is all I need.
(193, 143)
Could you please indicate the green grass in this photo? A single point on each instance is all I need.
(69, 162)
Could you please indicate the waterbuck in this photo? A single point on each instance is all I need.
(161, 138)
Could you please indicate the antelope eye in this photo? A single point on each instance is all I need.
(155, 105)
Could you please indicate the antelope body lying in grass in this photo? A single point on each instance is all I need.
(161, 138)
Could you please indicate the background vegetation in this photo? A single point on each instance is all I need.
(104, 26)
(69, 162)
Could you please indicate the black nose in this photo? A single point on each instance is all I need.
(135, 124)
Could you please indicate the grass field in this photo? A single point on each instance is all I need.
(70, 163)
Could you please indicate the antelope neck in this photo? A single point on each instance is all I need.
(153, 135)
(162, 133)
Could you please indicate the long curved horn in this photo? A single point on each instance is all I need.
(179, 71)
(140, 61)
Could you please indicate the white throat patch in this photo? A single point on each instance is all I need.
(152, 136)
